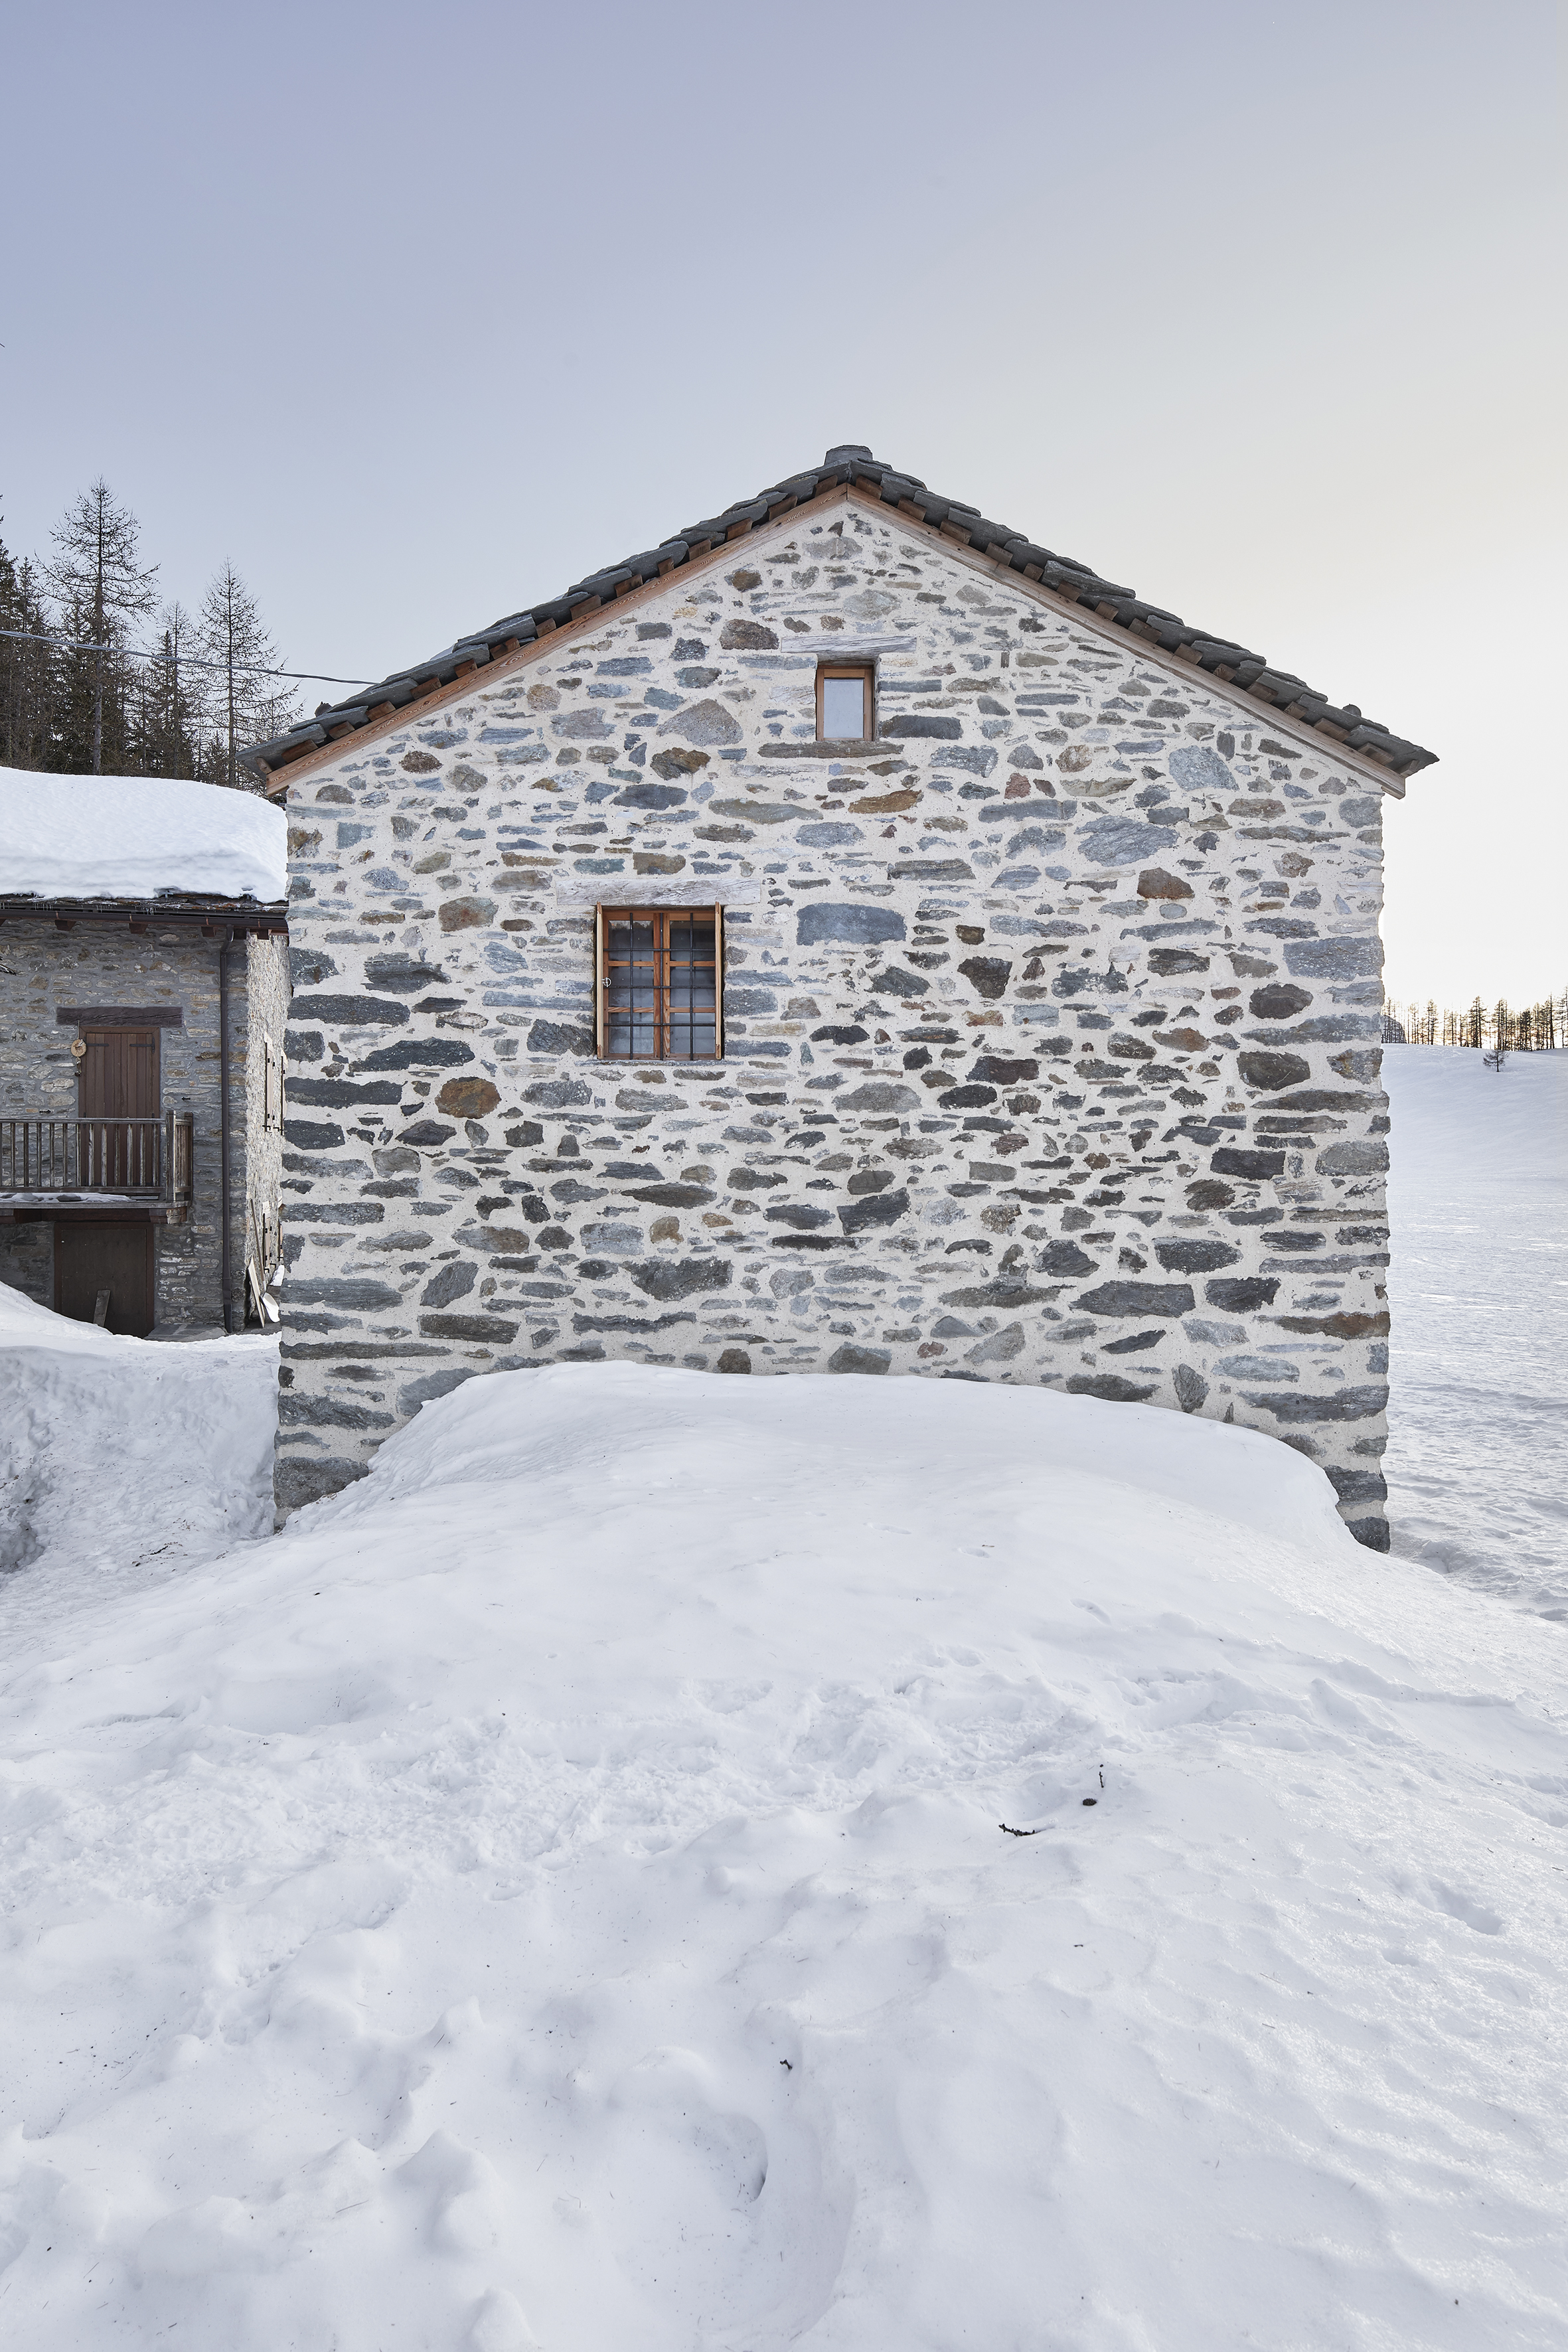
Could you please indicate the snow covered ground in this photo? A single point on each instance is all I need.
(555, 1892)
(1478, 1458)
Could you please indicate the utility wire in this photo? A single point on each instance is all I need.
(186, 661)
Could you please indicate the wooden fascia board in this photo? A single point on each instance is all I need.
(723, 550)
(1251, 707)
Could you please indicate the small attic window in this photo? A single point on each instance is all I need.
(844, 700)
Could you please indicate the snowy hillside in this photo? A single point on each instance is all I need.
(1478, 1456)
(554, 1894)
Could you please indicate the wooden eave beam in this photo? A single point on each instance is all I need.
(704, 555)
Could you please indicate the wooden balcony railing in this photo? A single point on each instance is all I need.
(145, 1158)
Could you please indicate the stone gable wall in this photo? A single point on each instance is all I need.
(41, 968)
(1051, 1021)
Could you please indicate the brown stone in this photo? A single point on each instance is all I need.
(467, 914)
(1155, 883)
(883, 803)
(468, 1098)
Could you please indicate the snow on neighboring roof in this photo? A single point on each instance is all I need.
(137, 837)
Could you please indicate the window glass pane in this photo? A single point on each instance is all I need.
(690, 984)
(843, 707)
(631, 990)
(660, 985)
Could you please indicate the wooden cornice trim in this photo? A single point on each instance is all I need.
(1252, 708)
(586, 623)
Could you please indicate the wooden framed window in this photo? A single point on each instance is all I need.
(659, 983)
(845, 701)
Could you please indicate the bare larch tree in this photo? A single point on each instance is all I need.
(96, 575)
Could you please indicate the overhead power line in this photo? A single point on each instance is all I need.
(187, 661)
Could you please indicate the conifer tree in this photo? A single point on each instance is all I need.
(28, 668)
(174, 699)
(249, 701)
(100, 584)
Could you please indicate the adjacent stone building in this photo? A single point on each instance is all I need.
(143, 994)
(846, 937)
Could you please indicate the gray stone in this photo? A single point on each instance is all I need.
(351, 1012)
(704, 722)
(1196, 769)
(452, 1282)
(1195, 1257)
(401, 974)
(1142, 1298)
(1337, 1405)
(1066, 1261)
(1278, 1003)
(1191, 1389)
(354, 1294)
(987, 976)
(1242, 1294)
(1368, 1156)
(493, 1330)
(1263, 1069)
(849, 1359)
(1256, 1165)
(1001, 1348)
(1122, 841)
(857, 926)
(555, 1037)
(1110, 1388)
(880, 1094)
(1349, 958)
(875, 1208)
(664, 1279)
(557, 1094)
(419, 1054)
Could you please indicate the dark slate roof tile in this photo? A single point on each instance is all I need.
(846, 462)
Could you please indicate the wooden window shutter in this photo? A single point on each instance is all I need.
(719, 983)
(599, 1009)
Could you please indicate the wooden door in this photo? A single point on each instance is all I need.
(118, 1080)
(90, 1258)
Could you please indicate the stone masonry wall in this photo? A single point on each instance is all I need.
(1051, 1017)
(259, 1139)
(41, 968)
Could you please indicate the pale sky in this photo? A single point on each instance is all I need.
(419, 313)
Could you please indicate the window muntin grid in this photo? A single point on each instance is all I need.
(658, 982)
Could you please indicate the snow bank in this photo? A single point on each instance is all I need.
(126, 1455)
(553, 1894)
(136, 837)
(1478, 1456)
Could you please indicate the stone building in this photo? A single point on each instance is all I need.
(846, 937)
(143, 993)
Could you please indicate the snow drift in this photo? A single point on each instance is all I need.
(123, 1459)
(553, 1894)
(137, 837)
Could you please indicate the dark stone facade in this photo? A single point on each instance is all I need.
(42, 968)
